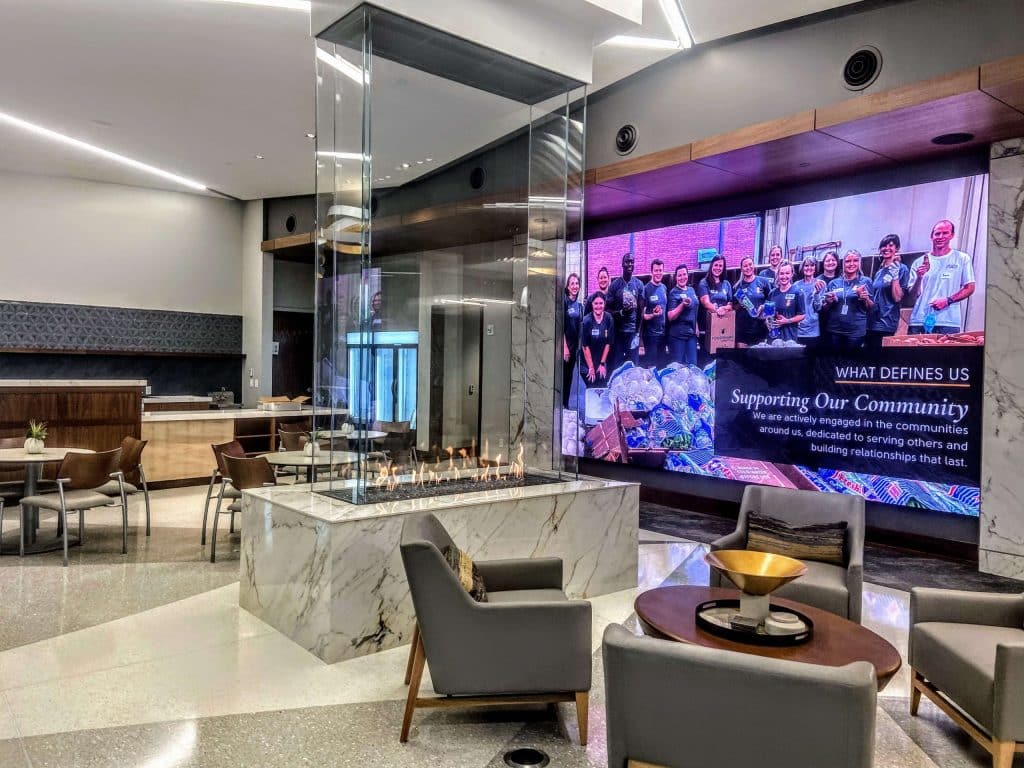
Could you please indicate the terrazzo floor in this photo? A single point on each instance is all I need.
(147, 660)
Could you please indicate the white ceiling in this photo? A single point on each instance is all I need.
(199, 88)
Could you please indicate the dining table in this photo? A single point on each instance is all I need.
(33, 463)
(311, 463)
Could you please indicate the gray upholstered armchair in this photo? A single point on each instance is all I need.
(527, 643)
(969, 647)
(834, 588)
(675, 704)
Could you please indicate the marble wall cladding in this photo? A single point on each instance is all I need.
(82, 328)
(338, 589)
(1002, 483)
(540, 395)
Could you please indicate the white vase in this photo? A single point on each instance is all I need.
(33, 445)
(311, 449)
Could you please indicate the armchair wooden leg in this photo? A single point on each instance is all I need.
(915, 692)
(582, 714)
(414, 688)
(1002, 753)
(412, 651)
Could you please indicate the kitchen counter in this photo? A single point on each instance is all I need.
(72, 383)
(219, 414)
(176, 399)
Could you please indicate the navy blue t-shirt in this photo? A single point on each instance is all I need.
(854, 321)
(757, 290)
(571, 323)
(624, 297)
(768, 274)
(655, 295)
(719, 296)
(595, 335)
(788, 303)
(885, 315)
(685, 325)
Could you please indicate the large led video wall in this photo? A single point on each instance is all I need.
(833, 346)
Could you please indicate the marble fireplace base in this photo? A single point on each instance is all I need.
(329, 574)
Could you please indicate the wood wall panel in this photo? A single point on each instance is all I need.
(180, 450)
(84, 417)
(1005, 80)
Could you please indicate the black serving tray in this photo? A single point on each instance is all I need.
(751, 638)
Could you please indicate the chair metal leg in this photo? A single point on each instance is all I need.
(81, 526)
(414, 688)
(582, 714)
(124, 522)
(216, 518)
(231, 527)
(1, 526)
(64, 529)
(206, 507)
(145, 495)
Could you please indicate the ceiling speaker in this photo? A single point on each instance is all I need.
(862, 68)
(476, 177)
(625, 139)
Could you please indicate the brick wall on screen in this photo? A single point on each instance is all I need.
(735, 238)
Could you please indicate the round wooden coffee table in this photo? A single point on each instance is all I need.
(670, 613)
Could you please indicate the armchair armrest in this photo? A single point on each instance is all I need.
(962, 607)
(735, 540)
(523, 573)
(855, 584)
(1008, 712)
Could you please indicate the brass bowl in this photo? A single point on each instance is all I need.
(756, 573)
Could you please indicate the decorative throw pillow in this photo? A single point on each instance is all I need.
(822, 542)
(466, 571)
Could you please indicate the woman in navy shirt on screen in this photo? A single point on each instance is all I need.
(808, 331)
(845, 305)
(597, 332)
(887, 291)
(749, 294)
(788, 303)
(682, 319)
(570, 334)
(714, 291)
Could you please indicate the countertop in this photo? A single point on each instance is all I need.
(218, 414)
(177, 399)
(72, 382)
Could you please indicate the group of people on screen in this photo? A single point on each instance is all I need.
(656, 323)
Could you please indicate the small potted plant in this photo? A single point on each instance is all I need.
(35, 436)
(312, 446)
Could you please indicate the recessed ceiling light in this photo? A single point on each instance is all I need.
(290, 5)
(105, 153)
(951, 139)
(310, 135)
(258, 157)
(677, 23)
(387, 177)
(430, 159)
(404, 166)
(419, 162)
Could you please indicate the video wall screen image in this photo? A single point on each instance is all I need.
(834, 346)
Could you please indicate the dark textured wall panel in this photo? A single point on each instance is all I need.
(170, 375)
(81, 328)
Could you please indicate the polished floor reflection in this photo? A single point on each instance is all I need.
(148, 661)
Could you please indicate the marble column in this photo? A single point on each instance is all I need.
(1002, 482)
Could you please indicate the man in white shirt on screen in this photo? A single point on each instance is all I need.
(939, 281)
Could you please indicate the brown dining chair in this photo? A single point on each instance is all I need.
(134, 474)
(232, 448)
(241, 473)
(292, 441)
(77, 479)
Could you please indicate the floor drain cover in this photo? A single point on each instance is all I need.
(526, 757)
